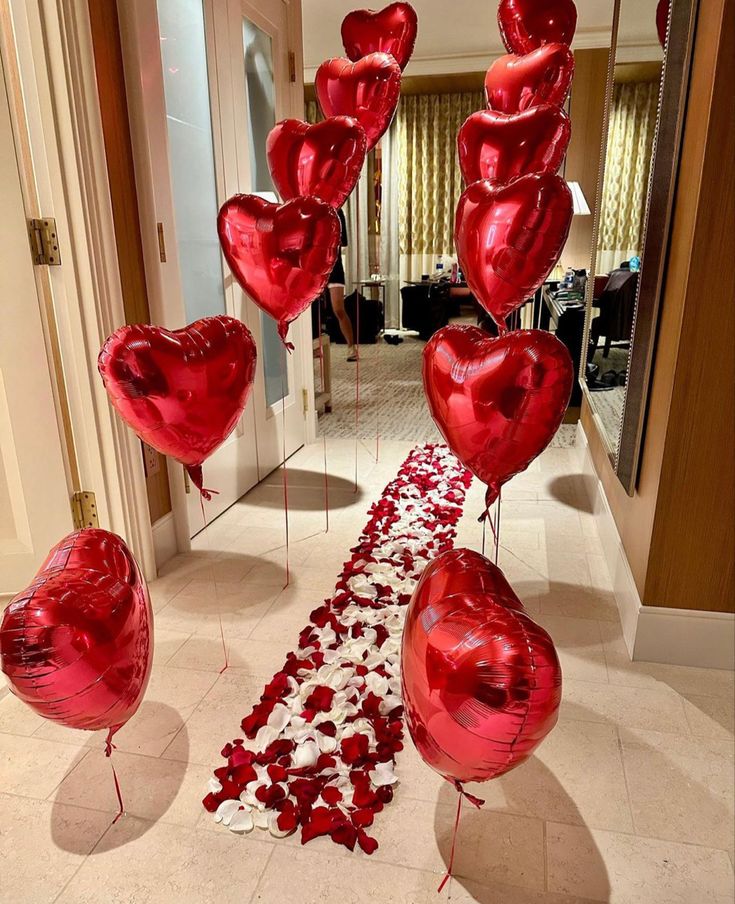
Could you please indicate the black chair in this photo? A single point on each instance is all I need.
(617, 311)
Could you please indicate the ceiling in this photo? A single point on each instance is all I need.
(462, 35)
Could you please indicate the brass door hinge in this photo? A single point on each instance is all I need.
(292, 67)
(161, 243)
(84, 510)
(187, 482)
(44, 241)
(305, 400)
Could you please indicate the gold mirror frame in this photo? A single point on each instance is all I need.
(625, 458)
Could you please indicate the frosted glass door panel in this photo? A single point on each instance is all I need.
(261, 100)
(191, 151)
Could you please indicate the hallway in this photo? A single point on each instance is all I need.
(627, 801)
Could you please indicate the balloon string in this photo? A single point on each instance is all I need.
(496, 529)
(324, 435)
(326, 485)
(109, 747)
(285, 467)
(379, 398)
(450, 865)
(224, 645)
(226, 665)
(356, 337)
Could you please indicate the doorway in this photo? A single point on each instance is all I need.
(206, 83)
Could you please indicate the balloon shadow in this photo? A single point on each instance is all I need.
(570, 490)
(476, 867)
(305, 491)
(148, 785)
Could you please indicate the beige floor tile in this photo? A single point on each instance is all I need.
(657, 709)
(151, 788)
(419, 833)
(16, 717)
(33, 767)
(309, 878)
(626, 869)
(710, 717)
(166, 643)
(216, 720)
(574, 601)
(579, 645)
(287, 616)
(171, 698)
(41, 847)
(575, 775)
(681, 789)
(257, 657)
(138, 862)
(206, 609)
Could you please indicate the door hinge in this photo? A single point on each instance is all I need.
(161, 243)
(292, 67)
(84, 510)
(44, 241)
(187, 482)
(305, 400)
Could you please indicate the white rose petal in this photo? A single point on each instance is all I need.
(242, 821)
(305, 755)
(226, 810)
(279, 717)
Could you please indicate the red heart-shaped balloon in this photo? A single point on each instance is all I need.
(481, 680)
(391, 30)
(323, 160)
(526, 25)
(181, 391)
(281, 255)
(502, 146)
(497, 401)
(514, 83)
(76, 645)
(367, 90)
(509, 238)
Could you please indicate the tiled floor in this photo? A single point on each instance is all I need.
(629, 800)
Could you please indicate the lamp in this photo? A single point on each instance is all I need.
(581, 208)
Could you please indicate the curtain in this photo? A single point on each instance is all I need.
(429, 182)
(627, 169)
(390, 259)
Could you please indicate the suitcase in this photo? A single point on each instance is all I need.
(370, 320)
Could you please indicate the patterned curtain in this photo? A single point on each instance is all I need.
(627, 168)
(429, 180)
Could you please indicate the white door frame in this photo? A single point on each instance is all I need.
(147, 111)
(47, 49)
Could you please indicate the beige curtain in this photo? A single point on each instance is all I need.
(627, 168)
(429, 179)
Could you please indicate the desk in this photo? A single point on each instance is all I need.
(568, 325)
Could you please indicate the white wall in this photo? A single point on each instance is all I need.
(454, 35)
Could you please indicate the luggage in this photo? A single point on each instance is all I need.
(371, 320)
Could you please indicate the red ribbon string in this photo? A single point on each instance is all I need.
(224, 647)
(324, 436)
(285, 468)
(476, 802)
(357, 378)
(109, 747)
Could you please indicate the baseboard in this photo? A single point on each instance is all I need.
(652, 633)
(164, 539)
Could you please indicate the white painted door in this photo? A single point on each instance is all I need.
(188, 68)
(257, 32)
(34, 493)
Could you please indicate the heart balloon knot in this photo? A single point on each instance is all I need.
(470, 798)
(109, 746)
(197, 478)
(283, 332)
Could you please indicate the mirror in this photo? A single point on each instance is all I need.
(647, 85)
